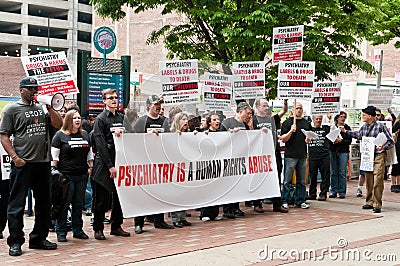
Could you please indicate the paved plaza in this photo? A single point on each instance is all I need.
(334, 232)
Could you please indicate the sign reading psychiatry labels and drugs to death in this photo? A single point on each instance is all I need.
(326, 98)
(52, 72)
(248, 80)
(287, 43)
(296, 79)
(217, 91)
(179, 81)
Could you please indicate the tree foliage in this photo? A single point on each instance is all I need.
(241, 30)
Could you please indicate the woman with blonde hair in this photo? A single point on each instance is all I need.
(180, 124)
(73, 157)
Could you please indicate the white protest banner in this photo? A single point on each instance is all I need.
(173, 172)
(326, 98)
(287, 43)
(367, 150)
(52, 72)
(5, 164)
(249, 80)
(380, 98)
(296, 79)
(179, 80)
(217, 91)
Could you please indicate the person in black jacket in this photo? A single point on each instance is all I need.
(339, 155)
(108, 122)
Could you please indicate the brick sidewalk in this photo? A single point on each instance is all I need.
(156, 243)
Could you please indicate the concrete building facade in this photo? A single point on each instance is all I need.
(38, 26)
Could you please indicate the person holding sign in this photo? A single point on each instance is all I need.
(263, 118)
(295, 157)
(107, 122)
(240, 121)
(374, 178)
(28, 123)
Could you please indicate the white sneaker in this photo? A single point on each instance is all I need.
(218, 218)
(359, 192)
(304, 205)
(285, 205)
(205, 219)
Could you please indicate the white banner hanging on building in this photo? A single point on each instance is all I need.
(173, 172)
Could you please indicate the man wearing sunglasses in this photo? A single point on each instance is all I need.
(104, 192)
(28, 124)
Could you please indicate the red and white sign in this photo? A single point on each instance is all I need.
(173, 172)
(287, 43)
(248, 80)
(217, 91)
(377, 59)
(52, 72)
(326, 98)
(296, 79)
(179, 80)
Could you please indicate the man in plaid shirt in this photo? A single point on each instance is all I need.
(374, 178)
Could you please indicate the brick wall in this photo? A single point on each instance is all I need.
(11, 71)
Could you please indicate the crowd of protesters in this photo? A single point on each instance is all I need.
(80, 156)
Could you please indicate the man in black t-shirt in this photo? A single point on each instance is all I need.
(264, 118)
(318, 150)
(153, 122)
(239, 122)
(295, 157)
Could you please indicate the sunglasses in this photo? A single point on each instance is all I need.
(112, 98)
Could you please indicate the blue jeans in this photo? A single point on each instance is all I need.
(299, 165)
(88, 196)
(338, 172)
(75, 197)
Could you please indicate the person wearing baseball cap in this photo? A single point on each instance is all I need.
(28, 124)
(374, 177)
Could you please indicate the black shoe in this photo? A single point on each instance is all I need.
(15, 250)
(119, 232)
(88, 212)
(332, 195)
(376, 210)
(99, 235)
(186, 223)
(61, 238)
(163, 225)
(45, 244)
(312, 197)
(238, 213)
(80, 235)
(147, 220)
(322, 198)
(178, 224)
(229, 215)
(367, 207)
(106, 220)
(281, 209)
(342, 196)
(138, 229)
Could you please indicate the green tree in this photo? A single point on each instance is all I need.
(387, 24)
(241, 30)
